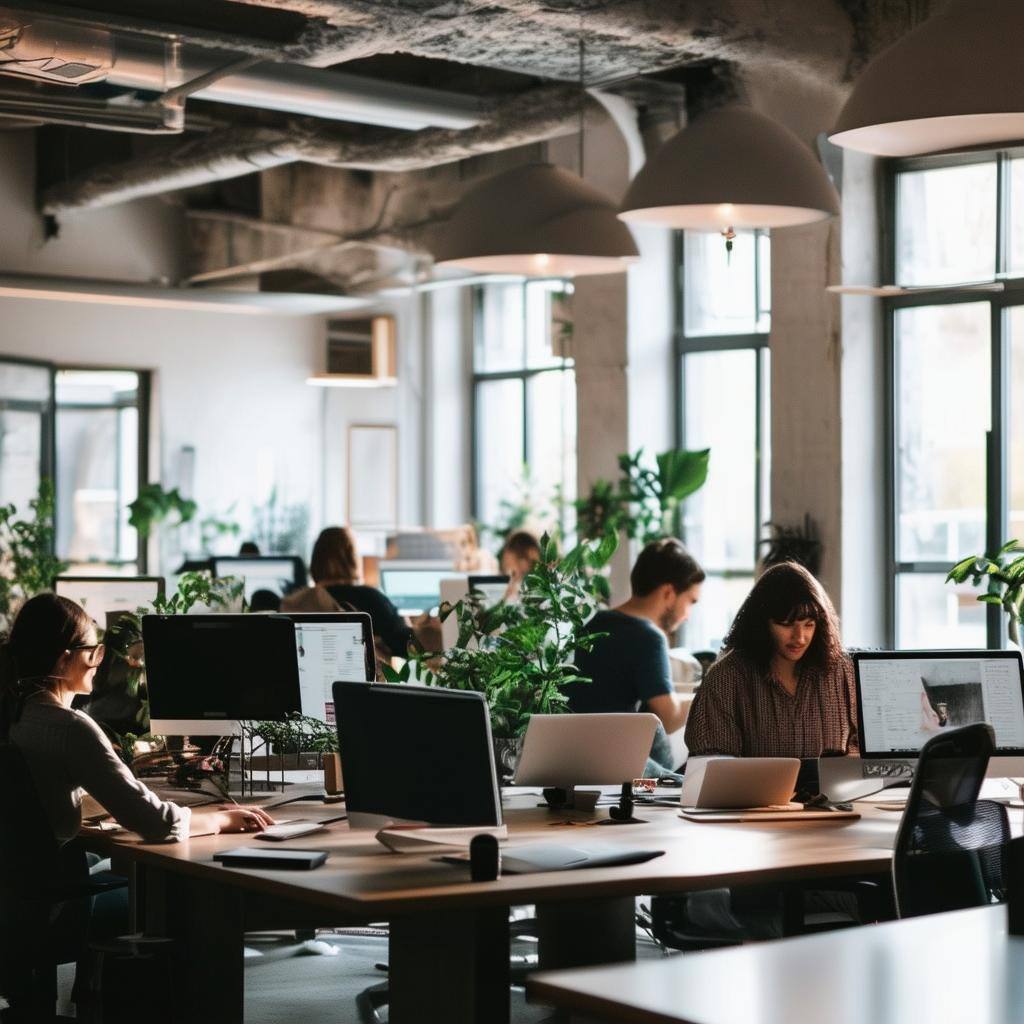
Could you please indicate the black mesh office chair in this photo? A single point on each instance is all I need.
(45, 892)
(951, 847)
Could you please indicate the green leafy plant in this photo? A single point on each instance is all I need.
(212, 528)
(644, 501)
(799, 543)
(27, 562)
(124, 638)
(521, 654)
(298, 733)
(154, 505)
(1004, 572)
(522, 508)
(280, 528)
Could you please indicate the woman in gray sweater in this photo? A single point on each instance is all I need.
(51, 655)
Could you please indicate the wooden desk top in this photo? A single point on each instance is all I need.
(944, 969)
(363, 879)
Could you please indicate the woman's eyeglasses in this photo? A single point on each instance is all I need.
(93, 652)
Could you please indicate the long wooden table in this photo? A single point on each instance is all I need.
(944, 969)
(449, 942)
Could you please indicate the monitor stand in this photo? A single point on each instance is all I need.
(569, 798)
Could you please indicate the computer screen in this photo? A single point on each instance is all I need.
(906, 697)
(100, 595)
(416, 754)
(493, 588)
(204, 671)
(331, 646)
(414, 587)
(277, 575)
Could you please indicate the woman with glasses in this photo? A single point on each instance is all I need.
(51, 656)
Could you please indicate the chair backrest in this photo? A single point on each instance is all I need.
(951, 847)
(29, 853)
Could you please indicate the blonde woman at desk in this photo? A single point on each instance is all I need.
(50, 657)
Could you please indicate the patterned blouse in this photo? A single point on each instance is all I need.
(739, 709)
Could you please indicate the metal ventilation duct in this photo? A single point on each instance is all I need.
(51, 50)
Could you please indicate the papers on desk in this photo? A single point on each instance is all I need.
(422, 840)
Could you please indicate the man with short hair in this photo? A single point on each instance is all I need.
(628, 668)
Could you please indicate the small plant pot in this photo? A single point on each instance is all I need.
(507, 751)
(333, 781)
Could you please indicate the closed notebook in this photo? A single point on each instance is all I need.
(271, 858)
(536, 857)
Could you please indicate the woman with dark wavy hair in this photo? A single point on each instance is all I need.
(783, 686)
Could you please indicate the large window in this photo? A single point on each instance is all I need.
(956, 387)
(722, 345)
(524, 397)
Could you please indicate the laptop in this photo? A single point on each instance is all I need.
(733, 783)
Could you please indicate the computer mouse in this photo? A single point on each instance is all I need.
(670, 780)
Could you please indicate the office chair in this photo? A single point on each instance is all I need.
(951, 847)
(45, 892)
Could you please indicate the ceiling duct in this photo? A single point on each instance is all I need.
(52, 50)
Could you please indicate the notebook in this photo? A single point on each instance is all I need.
(271, 858)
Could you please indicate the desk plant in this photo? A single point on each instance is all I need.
(520, 654)
(1004, 572)
(644, 501)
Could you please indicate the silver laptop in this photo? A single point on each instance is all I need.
(727, 783)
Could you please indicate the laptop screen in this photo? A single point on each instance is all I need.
(906, 697)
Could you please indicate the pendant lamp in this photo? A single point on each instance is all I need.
(538, 220)
(731, 168)
(951, 83)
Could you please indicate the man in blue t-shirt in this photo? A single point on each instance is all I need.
(629, 668)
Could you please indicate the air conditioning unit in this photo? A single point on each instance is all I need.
(359, 353)
(64, 54)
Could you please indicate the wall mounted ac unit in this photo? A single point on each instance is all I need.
(359, 353)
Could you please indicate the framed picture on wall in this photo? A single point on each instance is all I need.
(373, 474)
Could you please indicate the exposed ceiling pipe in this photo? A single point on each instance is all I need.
(56, 51)
(533, 116)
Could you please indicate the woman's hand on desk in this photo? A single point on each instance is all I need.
(229, 818)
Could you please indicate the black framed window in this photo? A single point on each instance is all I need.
(955, 367)
(724, 316)
(524, 398)
(26, 429)
(101, 455)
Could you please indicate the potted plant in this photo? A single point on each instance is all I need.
(799, 544)
(302, 734)
(1004, 572)
(520, 655)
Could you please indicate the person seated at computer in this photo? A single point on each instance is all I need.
(248, 549)
(519, 554)
(783, 686)
(469, 556)
(629, 668)
(334, 566)
(50, 656)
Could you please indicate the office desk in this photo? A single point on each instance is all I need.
(449, 940)
(944, 969)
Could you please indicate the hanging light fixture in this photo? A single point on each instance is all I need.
(538, 220)
(951, 83)
(731, 168)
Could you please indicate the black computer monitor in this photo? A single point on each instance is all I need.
(206, 672)
(331, 646)
(416, 754)
(279, 574)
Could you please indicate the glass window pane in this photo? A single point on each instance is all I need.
(96, 387)
(24, 382)
(500, 342)
(1015, 318)
(946, 225)
(711, 617)
(943, 414)
(720, 396)
(719, 287)
(543, 333)
(934, 615)
(1015, 216)
(500, 455)
(21, 452)
(552, 455)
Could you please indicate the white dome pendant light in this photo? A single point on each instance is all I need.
(538, 220)
(951, 83)
(732, 168)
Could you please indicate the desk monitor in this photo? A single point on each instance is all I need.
(278, 574)
(416, 754)
(205, 673)
(585, 750)
(906, 697)
(414, 587)
(454, 589)
(331, 646)
(102, 595)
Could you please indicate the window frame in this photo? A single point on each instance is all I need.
(997, 438)
(758, 343)
(487, 376)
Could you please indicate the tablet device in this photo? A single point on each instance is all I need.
(271, 859)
